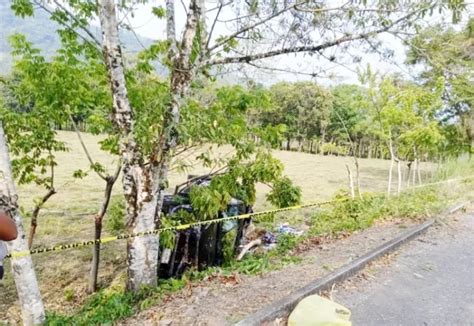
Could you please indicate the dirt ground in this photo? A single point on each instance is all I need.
(224, 301)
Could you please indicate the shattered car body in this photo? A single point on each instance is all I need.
(200, 246)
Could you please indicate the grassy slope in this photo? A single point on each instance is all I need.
(318, 176)
(67, 215)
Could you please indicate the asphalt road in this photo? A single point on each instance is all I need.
(429, 282)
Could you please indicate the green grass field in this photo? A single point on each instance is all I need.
(68, 216)
(318, 176)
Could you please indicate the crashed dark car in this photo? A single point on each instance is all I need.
(200, 246)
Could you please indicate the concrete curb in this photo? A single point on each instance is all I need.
(284, 306)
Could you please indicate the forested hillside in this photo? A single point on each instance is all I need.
(40, 30)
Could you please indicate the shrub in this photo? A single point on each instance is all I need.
(353, 214)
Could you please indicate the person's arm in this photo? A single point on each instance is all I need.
(8, 230)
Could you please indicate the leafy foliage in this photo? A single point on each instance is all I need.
(349, 215)
(115, 221)
(284, 194)
(447, 54)
(303, 107)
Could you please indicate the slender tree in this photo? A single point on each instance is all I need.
(31, 304)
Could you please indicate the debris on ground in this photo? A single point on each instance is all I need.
(252, 244)
(267, 240)
(286, 229)
(328, 313)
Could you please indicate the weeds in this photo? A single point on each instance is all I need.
(105, 307)
(115, 221)
(361, 213)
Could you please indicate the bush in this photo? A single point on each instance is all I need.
(354, 214)
(332, 148)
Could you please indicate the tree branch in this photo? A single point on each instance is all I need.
(73, 17)
(97, 44)
(34, 215)
(210, 174)
(214, 24)
(170, 24)
(346, 9)
(39, 205)
(247, 28)
(308, 48)
(135, 35)
(84, 147)
(116, 173)
(284, 70)
(185, 149)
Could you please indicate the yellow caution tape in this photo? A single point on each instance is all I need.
(181, 227)
(18, 254)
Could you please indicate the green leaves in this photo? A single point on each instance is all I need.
(448, 64)
(79, 174)
(157, 51)
(284, 193)
(32, 144)
(347, 115)
(22, 8)
(40, 97)
(403, 114)
(304, 107)
(159, 11)
(239, 182)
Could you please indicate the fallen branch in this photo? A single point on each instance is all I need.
(248, 246)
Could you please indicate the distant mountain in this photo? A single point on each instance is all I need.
(41, 31)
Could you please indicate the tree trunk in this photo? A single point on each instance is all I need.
(389, 187)
(399, 171)
(359, 191)
(288, 143)
(351, 181)
(415, 167)
(418, 171)
(393, 158)
(144, 185)
(139, 188)
(31, 304)
(409, 173)
(98, 222)
(34, 216)
(95, 254)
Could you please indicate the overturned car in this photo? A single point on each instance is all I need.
(200, 246)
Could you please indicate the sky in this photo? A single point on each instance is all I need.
(343, 70)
